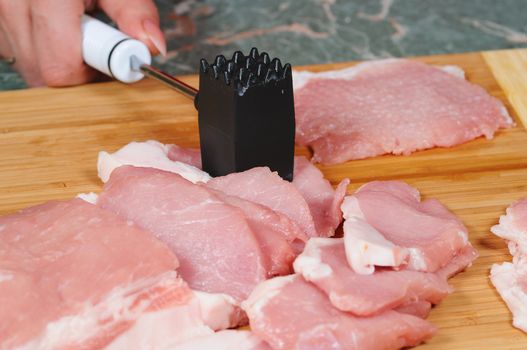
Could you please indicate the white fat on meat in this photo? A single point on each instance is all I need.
(163, 329)
(513, 227)
(90, 197)
(290, 313)
(390, 218)
(219, 311)
(323, 263)
(366, 247)
(510, 279)
(393, 106)
(151, 154)
(224, 340)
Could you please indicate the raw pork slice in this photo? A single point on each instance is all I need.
(73, 275)
(432, 234)
(211, 238)
(309, 200)
(417, 308)
(261, 185)
(324, 202)
(290, 313)
(323, 263)
(150, 154)
(318, 214)
(510, 279)
(279, 237)
(390, 106)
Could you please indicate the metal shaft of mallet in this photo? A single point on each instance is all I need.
(164, 78)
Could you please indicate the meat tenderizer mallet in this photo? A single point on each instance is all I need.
(245, 104)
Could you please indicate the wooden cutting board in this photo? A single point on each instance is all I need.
(49, 139)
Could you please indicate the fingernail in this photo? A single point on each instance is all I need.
(154, 34)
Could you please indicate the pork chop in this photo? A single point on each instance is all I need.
(323, 263)
(432, 234)
(390, 106)
(290, 313)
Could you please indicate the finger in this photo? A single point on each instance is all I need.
(5, 47)
(16, 25)
(139, 19)
(57, 41)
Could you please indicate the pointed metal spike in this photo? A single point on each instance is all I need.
(231, 67)
(264, 57)
(254, 53)
(238, 57)
(204, 65)
(241, 74)
(249, 62)
(227, 78)
(247, 82)
(215, 71)
(276, 65)
(220, 61)
(287, 71)
(270, 75)
(260, 70)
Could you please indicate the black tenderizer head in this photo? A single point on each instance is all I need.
(246, 114)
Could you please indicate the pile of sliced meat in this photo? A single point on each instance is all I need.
(166, 257)
(510, 278)
(162, 258)
(390, 106)
(373, 288)
(75, 276)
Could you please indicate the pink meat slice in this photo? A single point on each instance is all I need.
(390, 106)
(323, 201)
(277, 235)
(462, 260)
(309, 200)
(323, 263)
(417, 308)
(431, 233)
(262, 186)
(285, 320)
(74, 275)
(211, 238)
(318, 215)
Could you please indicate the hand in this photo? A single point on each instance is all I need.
(44, 36)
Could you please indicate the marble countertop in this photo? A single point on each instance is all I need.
(322, 31)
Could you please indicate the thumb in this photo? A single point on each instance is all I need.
(139, 19)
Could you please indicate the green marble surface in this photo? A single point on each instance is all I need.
(322, 31)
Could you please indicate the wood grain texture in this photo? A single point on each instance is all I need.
(514, 85)
(49, 139)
